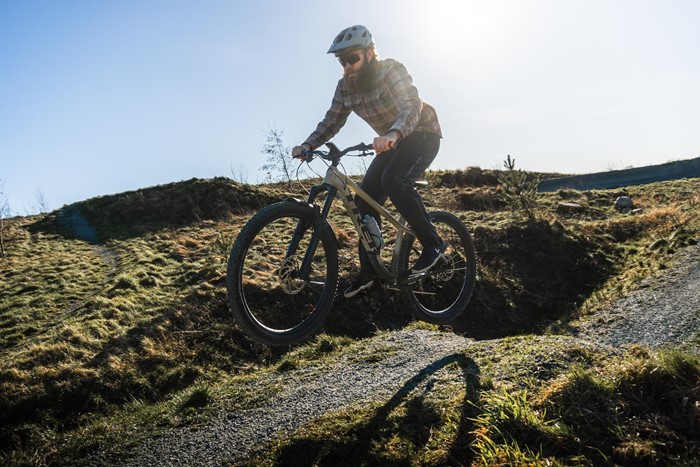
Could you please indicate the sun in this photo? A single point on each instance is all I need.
(454, 28)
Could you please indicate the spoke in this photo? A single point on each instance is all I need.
(316, 289)
(421, 292)
(449, 270)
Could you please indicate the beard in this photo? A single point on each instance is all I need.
(363, 80)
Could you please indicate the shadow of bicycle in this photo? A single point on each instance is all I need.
(408, 421)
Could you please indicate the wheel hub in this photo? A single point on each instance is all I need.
(446, 269)
(289, 283)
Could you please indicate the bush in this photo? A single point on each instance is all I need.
(519, 190)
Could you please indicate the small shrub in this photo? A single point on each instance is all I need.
(519, 190)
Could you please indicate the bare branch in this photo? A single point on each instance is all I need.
(279, 165)
(42, 204)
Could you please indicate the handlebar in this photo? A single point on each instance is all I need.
(334, 154)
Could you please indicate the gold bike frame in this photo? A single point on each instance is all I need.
(345, 187)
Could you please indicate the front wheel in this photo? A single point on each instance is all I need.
(268, 299)
(441, 294)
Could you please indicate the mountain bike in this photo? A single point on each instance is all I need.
(282, 272)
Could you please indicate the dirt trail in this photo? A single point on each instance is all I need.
(663, 311)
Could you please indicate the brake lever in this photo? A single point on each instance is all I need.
(308, 156)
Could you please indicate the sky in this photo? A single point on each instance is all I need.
(102, 97)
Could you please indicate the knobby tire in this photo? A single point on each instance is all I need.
(443, 293)
(267, 301)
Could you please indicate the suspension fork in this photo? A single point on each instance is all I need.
(317, 224)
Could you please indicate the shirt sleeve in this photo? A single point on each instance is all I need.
(331, 124)
(405, 94)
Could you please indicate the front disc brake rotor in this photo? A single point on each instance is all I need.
(290, 284)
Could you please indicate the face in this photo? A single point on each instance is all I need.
(353, 62)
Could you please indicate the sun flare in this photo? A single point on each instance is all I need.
(453, 26)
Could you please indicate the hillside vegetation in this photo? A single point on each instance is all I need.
(113, 313)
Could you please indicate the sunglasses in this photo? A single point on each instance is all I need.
(351, 59)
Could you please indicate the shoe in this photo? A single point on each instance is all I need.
(429, 257)
(364, 281)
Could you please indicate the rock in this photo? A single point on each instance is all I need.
(624, 203)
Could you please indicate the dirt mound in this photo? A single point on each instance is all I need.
(532, 273)
(469, 177)
(177, 204)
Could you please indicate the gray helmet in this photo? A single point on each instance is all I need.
(356, 36)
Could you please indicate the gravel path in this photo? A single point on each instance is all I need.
(410, 356)
(664, 310)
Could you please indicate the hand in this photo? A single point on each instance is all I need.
(386, 142)
(298, 151)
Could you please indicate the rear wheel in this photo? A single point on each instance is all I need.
(267, 297)
(441, 294)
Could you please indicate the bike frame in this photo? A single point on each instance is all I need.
(339, 185)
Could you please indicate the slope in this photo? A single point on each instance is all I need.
(135, 312)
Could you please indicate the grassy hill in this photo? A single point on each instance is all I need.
(114, 309)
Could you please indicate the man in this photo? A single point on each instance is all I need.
(382, 93)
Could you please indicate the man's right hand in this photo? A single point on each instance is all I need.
(298, 151)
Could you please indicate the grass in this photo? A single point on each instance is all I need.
(627, 408)
(105, 340)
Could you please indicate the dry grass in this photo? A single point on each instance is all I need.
(142, 315)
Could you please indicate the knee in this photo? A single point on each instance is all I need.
(397, 184)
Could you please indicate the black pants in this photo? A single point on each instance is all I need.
(391, 175)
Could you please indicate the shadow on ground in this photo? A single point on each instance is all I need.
(413, 425)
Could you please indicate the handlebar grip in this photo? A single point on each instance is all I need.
(360, 147)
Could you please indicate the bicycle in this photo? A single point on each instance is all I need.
(282, 272)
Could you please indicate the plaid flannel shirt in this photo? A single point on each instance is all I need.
(392, 104)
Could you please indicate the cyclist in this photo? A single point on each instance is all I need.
(382, 93)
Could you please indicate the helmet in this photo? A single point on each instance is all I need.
(356, 36)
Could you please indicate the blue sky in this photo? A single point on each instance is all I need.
(101, 97)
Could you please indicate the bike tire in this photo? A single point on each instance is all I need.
(270, 305)
(445, 290)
